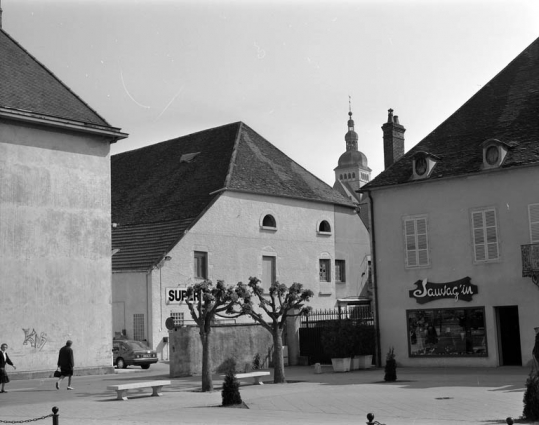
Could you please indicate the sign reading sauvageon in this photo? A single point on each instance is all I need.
(178, 295)
(459, 290)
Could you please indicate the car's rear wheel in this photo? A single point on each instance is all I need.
(120, 363)
(145, 366)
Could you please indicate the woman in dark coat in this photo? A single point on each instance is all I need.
(4, 360)
(66, 364)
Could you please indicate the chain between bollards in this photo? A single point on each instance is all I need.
(371, 421)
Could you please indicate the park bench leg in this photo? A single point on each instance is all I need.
(122, 394)
(257, 380)
(157, 391)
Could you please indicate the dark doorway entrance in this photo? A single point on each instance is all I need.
(508, 336)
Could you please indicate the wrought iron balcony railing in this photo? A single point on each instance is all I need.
(530, 261)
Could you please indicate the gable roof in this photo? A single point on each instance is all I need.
(27, 86)
(163, 183)
(507, 109)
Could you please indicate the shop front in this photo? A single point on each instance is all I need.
(453, 324)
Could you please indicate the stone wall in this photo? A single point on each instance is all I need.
(241, 342)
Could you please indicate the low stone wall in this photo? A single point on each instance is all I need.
(241, 342)
(42, 374)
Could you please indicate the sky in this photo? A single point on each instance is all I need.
(161, 69)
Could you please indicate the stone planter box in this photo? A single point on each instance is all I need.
(362, 362)
(341, 365)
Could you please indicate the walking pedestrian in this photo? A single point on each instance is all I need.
(66, 364)
(4, 360)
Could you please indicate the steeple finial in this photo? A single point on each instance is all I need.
(351, 136)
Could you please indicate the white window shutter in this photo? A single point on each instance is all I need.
(485, 235)
(534, 222)
(416, 240)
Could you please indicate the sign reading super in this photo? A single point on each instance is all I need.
(178, 295)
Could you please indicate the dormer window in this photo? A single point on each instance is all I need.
(494, 152)
(423, 164)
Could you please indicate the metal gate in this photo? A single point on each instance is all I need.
(310, 332)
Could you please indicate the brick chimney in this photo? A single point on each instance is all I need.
(393, 139)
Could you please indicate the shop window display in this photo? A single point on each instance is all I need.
(447, 332)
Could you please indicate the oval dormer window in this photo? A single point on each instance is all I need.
(421, 166)
(492, 155)
(269, 221)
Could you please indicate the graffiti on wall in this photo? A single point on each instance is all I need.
(35, 340)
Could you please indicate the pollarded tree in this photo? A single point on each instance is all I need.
(205, 302)
(283, 302)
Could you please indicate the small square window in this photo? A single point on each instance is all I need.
(201, 265)
(177, 317)
(325, 270)
(340, 271)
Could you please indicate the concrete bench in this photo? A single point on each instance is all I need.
(122, 388)
(255, 375)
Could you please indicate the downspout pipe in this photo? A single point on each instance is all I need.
(374, 281)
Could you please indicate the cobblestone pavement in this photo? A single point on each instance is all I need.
(421, 396)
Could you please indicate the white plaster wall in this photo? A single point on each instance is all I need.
(352, 244)
(230, 232)
(55, 247)
(448, 204)
(130, 293)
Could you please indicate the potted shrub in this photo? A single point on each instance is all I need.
(391, 366)
(337, 343)
(364, 342)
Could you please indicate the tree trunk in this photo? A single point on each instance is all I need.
(278, 361)
(207, 382)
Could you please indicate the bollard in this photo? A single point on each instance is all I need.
(317, 368)
(55, 416)
(509, 420)
(370, 418)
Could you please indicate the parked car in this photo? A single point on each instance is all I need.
(127, 352)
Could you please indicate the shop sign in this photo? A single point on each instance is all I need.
(178, 295)
(459, 290)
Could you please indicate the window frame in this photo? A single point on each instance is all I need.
(447, 355)
(327, 273)
(139, 325)
(485, 235)
(324, 232)
(416, 236)
(340, 277)
(196, 256)
(178, 317)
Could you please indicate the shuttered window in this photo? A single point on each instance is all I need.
(485, 235)
(416, 241)
(533, 211)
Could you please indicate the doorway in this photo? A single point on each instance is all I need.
(509, 349)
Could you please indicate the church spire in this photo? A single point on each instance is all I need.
(350, 137)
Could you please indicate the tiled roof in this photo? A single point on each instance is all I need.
(507, 109)
(142, 246)
(26, 85)
(152, 185)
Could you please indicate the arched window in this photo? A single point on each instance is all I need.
(354, 175)
(324, 227)
(349, 176)
(269, 221)
(340, 177)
